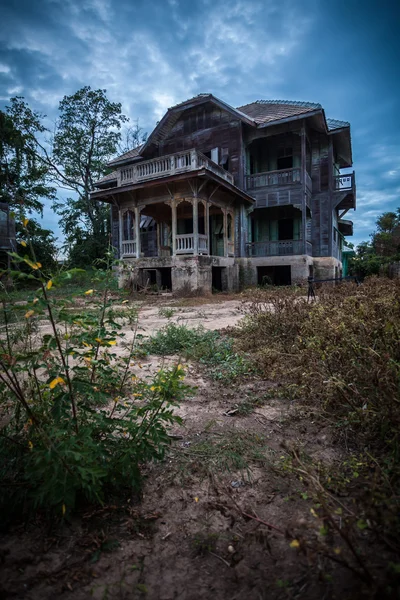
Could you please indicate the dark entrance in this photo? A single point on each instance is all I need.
(274, 275)
(165, 278)
(218, 279)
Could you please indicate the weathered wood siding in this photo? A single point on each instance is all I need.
(206, 128)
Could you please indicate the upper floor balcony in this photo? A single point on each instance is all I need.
(344, 188)
(282, 177)
(170, 165)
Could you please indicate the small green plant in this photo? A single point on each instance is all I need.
(166, 312)
(208, 347)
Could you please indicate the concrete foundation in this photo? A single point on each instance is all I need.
(202, 274)
(327, 268)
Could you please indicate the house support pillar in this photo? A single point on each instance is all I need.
(137, 231)
(174, 226)
(207, 225)
(121, 230)
(303, 177)
(195, 226)
(225, 227)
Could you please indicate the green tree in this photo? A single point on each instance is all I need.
(86, 137)
(23, 175)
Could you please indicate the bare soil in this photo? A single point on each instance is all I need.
(199, 530)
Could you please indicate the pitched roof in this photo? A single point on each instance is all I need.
(265, 111)
(335, 124)
(110, 177)
(130, 154)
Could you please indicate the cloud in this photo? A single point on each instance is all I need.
(150, 55)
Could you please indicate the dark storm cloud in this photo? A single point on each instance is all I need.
(151, 54)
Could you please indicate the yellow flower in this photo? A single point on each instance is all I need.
(63, 509)
(89, 292)
(55, 382)
(23, 243)
(196, 499)
(179, 367)
(30, 445)
(124, 301)
(98, 340)
(112, 342)
(25, 222)
(87, 345)
(29, 314)
(49, 284)
(153, 388)
(294, 544)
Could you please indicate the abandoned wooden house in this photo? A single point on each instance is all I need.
(220, 197)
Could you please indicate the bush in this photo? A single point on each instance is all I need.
(75, 424)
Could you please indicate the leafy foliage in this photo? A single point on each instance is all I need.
(23, 176)
(76, 423)
(87, 136)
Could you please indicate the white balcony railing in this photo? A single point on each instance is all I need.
(343, 182)
(129, 248)
(166, 166)
(185, 243)
(203, 244)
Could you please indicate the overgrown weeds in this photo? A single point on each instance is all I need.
(341, 355)
(75, 424)
(210, 348)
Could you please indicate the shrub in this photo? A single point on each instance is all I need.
(75, 424)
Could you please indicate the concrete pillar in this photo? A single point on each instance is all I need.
(137, 231)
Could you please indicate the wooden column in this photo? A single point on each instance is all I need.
(303, 179)
(225, 222)
(195, 213)
(137, 231)
(174, 226)
(207, 225)
(121, 230)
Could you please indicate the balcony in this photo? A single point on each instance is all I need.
(170, 165)
(282, 177)
(278, 248)
(344, 188)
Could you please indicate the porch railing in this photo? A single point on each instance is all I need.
(284, 177)
(185, 244)
(280, 248)
(129, 248)
(203, 243)
(344, 182)
(171, 164)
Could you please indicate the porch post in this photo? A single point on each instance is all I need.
(303, 179)
(207, 225)
(137, 230)
(195, 212)
(121, 229)
(173, 210)
(225, 226)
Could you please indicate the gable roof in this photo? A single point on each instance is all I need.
(266, 111)
(260, 113)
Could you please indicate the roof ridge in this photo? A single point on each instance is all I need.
(289, 103)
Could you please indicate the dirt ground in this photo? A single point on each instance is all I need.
(201, 529)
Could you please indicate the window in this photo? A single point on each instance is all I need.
(285, 157)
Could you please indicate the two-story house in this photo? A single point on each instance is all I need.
(220, 197)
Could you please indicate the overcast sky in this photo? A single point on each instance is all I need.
(151, 54)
